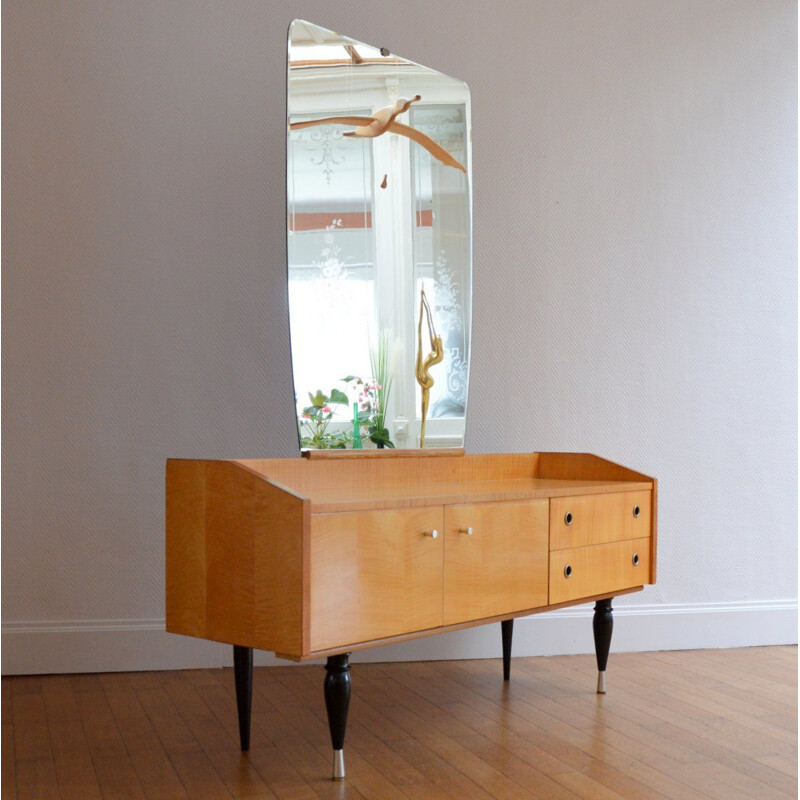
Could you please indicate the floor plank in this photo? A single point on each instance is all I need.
(8, 769)
(36, 780)
(31, 736)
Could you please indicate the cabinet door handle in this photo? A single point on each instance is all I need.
(468, 531)
(568, 571)
(635, 559)
(434, 534)
(568, 518)
(636, 511)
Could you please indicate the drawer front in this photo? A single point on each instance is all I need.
(599, 518)
(495, 559)
(587, 571)
(374, 574)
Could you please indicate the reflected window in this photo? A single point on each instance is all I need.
(331, 259)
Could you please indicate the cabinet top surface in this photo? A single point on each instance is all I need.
(360, 484)
(331, 500)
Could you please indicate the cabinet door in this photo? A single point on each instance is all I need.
(495, 559)
(374, 574)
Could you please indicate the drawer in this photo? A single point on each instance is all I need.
(495, 559)
(374, 574)
(600, 568)
(599, 518)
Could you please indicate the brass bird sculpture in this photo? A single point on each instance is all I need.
(422, 370)
(382, 121)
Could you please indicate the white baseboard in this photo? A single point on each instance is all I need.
(40, 648)
(129, 645)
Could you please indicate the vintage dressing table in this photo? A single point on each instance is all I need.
(345, 549)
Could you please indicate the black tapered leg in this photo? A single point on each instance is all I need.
(507, 629)
(337, 701)
(603, 625)
(243, 673)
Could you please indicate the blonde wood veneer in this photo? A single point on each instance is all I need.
(598, 568)
(501, 566)
(460, 626)
(185, 547)
(598, 519)
(308, 474)
(239, 539)
(456, 492)
(374, 574)
(585, 466)
(234, 560)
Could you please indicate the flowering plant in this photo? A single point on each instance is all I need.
(315, 419)
(373, 394)
(371, 397)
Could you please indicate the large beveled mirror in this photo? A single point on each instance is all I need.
(379, 245)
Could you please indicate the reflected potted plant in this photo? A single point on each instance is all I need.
(316, 418)
(370, 416)
(373, 394)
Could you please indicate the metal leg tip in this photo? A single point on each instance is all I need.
(338, 765)
(601, 682)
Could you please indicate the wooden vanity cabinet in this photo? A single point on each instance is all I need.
(309, 556)
(323, 555)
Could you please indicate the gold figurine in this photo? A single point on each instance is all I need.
(422, 371)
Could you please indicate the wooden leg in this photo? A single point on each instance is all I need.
(603, 625)
(507, 629)
(337, 701)
(243, 674)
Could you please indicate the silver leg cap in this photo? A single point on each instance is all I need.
(601, 682)
(338, 765)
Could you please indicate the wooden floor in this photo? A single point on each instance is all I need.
(698, 724)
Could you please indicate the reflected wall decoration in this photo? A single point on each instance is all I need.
(378, 212)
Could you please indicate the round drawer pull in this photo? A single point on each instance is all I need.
(636, 511)
(568, 571)
(468, 531)
(434, 534)
(568, 518)
(635, 559)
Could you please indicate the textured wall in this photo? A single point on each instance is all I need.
(635, 272)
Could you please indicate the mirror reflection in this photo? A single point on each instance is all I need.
(379, 245)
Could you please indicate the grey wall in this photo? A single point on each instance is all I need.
(635, 283)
